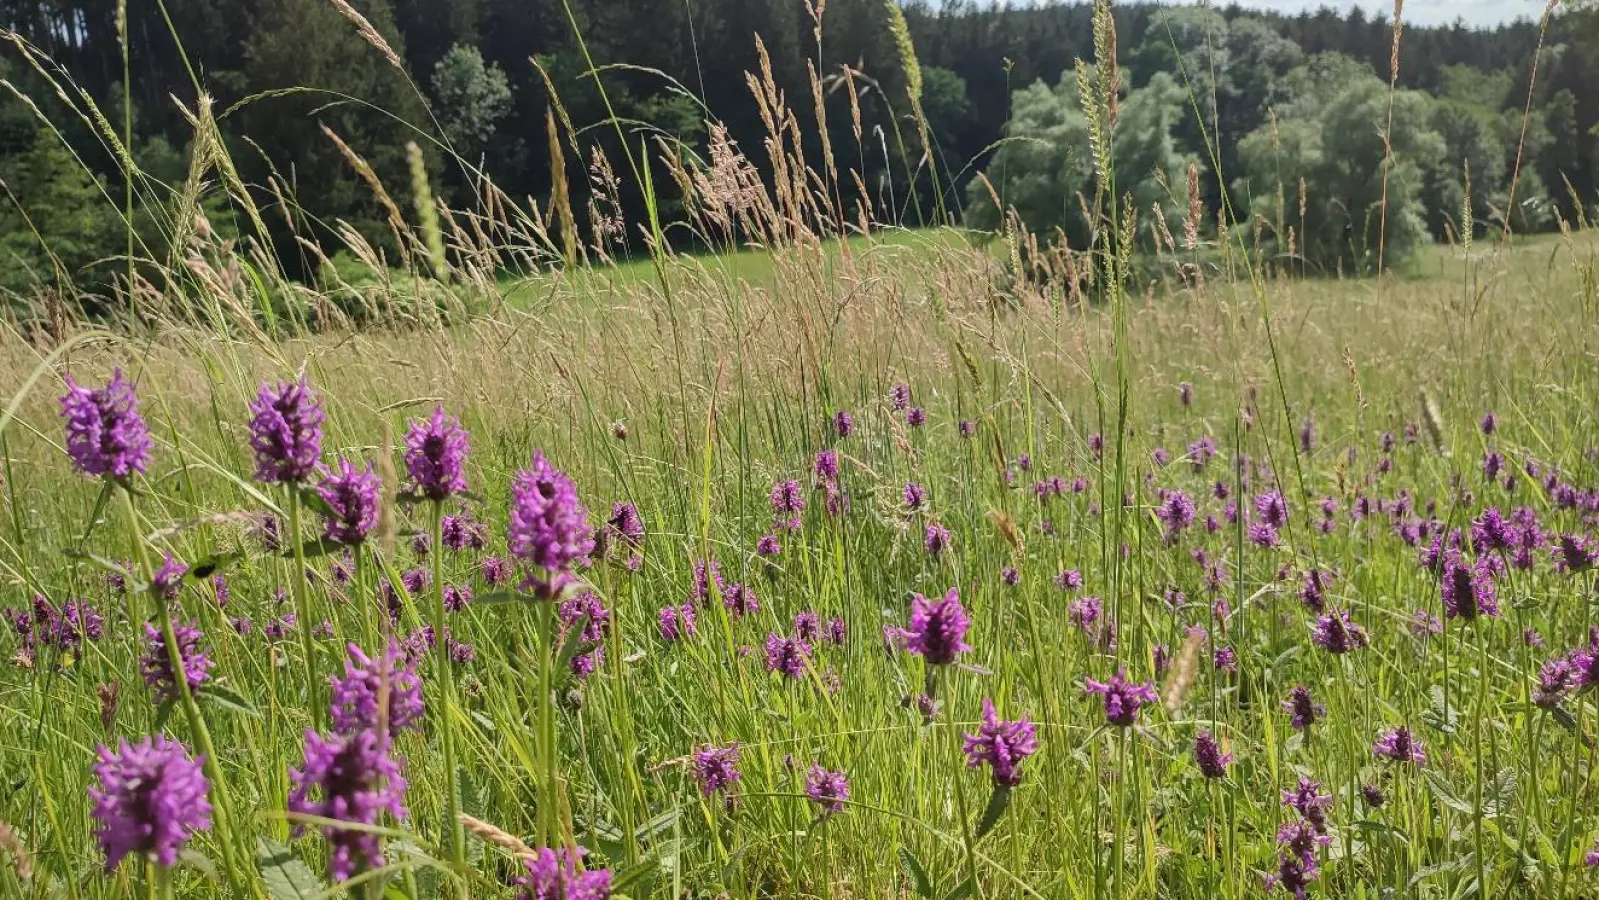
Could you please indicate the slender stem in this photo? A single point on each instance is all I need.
(1482, 709)
(191, 710)
(549, 817)
(302, 608)
(455, 840)
(960, 790)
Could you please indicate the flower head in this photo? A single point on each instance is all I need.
(716, 768)
(1468, 589)
(827, 789)
(286, 432)
(935, 539)
(1556, 679)
(1399, 745)
(843, 424)
(677, 622)
(916, 417)
(1308, 800)
(106, 436)
(1273, 509)
(1302, 710)
(937, 631)
(914, 495)
(899, 396)
(1122, 698)
(788, 501)
(149, 798)
(348, 778)
(355, 696)
(435, 454)
(740, 600)
(549, 527)
(1001, 746)
(553, 875)
(1176, 512)
(156, 664)
(1337, 633)
(1208, 757)
(352, 497)
(788, 656)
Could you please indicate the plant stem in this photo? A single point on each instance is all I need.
(455, 840)
(960, 790)
(302, 608)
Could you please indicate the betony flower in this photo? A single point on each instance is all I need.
(286, 432)
(352, 498)
(355, 696)
(1303, 711)
(462, 533)
(914, 495)
(106, 436)
(1337, 633)
(787, 504)
(1176, 512)
(827, 789)
(1399, 745)
(677, 622)
(1308, 800)
(1556, 679)
(1468, 589)
(916, 417)
(435, 456)
(899, 396)
(807, 626)
(553, 875)
(716, 768)
(549, 528)
(740, 600)
(1273, 509)
(156, 664)
(789, 656)
(149, 798)
(1000, 745)
(937, 630)
(826, 467)
(843, 424)
(1212, 762)
(348, 778)
(1122, 698)
(935, 539)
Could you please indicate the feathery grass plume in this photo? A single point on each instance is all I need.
(368, 33)
(427, 215)
(21, 860)
(1109, 71)
(1196, 211)
(499, 837)
(560, 201)
(901, 31)
(1432, 421)
(1387, 132)
(402, 232)
(1184, 670)
(1467, 222)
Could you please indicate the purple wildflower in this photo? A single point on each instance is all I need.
(149, 798)
(352, 497)
(836, 632)
(740, 600)
(1176, 512)
(1262, 535)
(463, 533)
(1314, 591)
(807, 626)
(1303, 711)
(1308, 800)
(156, 664)
(286, 432)
(1069, 580)
(435, 454)
(826, 467)
(1185, 394)
(1468, 589)
(787, 503)
(938, 628)
(1001, 746)
(496, 570)
(916, 417)
(827, 789)
(1556, 679)
(914, 495)
(1490, 423)
(348, 778)
(967, 429)
(1575, 553)
(553, 875)
(1208, 757)
(843, 424)
(355, 696)
(935, 539)
(1337, 633)
(549, 527)
(1399, 745)
(1122, 698)
(899, 396)
(716, 768)
(106, 436)
(788, 656)
(707, 574)
(677, 622)
(767, 546)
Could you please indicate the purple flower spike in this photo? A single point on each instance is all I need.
(1308, 800)
(355, 696)
(1468, 589)
(789, 656)
(1399, 745)
(553, 875)
(716, 768)
(348, 778)
(677, 622)
(549, 527)
(106, 436)
(1001, 746)
(740, 600)
(1208, 757)
(435, 456)
(1337, 633)
(1303, 711)
(843, 424)
(286, 432)
(937, 631)
(935, 539)
(149, 798)
(1556, 679)
(352, 495)
(827, 789)
(156, 664)
(1122, 698)
(788, 501)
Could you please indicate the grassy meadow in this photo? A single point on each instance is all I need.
(1167, 506)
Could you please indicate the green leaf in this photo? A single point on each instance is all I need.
(961, 891)
(164, 713)
(227, 698)
(313, 501)
(1458, 864)
(998, 802)
(915, 872)
(639, 874)
(287, 877)
(1446, 795)
(1440, 716)
(1499, 795)
(194, 859)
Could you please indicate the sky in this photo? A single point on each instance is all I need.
(1421, 12)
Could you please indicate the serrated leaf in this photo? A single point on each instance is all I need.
(961, 891)
(287, 877)
(1440, 716)
(1499, 795)
(915, 872)
(1458, 864)
(227, 698)
(1446, 795)
(998, 802)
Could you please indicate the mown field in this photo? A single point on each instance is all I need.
(1385, 499)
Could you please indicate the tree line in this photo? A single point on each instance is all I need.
(104, 98)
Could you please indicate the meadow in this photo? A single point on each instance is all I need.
(843, 560)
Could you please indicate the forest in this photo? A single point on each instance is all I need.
(100, 117)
